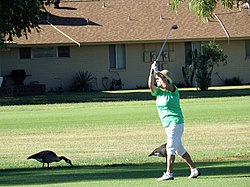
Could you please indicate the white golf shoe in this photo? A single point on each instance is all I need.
(194, 173)
(166, 176)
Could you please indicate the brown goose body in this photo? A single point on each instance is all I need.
(159, 151)
(48, 156)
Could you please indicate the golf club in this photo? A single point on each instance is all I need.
(172, 27)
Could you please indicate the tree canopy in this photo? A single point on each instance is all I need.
(205, 8)
(18, 17)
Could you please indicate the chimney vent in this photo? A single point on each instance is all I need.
(87, 21)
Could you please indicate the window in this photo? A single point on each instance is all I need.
(248, 49)
(41, 52)
(63, 51)
(117, 56)
(25, 52)
(188, 53)
(44, 52)
(190, 48)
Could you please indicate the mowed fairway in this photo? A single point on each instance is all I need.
(109, 143)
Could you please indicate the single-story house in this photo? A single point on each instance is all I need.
(118, 40)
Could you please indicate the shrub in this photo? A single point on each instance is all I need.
(235, 81)
(180, 84)
(82, 81)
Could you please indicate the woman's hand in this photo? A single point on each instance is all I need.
(151, 77)
(154, 67)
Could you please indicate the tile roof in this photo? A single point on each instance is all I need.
(134, 21)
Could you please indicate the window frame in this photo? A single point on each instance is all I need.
(191, 47)
(52, 52)
(25, 53)
(64, 55)
(247, 48)
(117, 57)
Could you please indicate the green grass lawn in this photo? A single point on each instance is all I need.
(108, 143)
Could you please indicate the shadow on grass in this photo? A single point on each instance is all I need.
(215, 93)
(38, 176)
(123, 95)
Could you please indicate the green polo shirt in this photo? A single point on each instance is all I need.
(168, 106)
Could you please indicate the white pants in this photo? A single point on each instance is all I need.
(174, 134)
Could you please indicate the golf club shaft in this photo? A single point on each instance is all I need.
(163, 45)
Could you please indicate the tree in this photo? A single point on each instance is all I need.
(18, 17)
(204, 63)
(205, 8)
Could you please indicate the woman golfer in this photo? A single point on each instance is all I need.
(169, 110)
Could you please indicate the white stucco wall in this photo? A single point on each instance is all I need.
(237, 64)
(55, 72)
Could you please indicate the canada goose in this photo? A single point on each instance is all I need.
(48, 157)
(159, 151)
